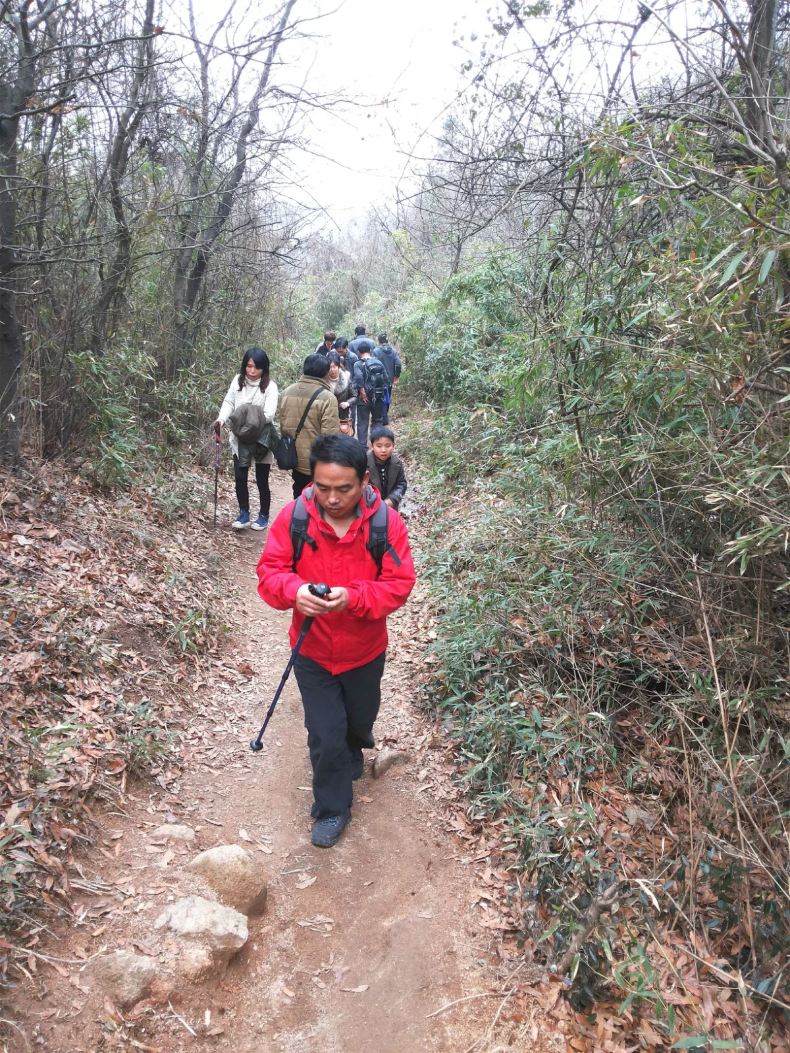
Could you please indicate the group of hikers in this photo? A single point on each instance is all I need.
(345, 388)
(337, 554)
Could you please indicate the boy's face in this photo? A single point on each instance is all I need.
(382, 449)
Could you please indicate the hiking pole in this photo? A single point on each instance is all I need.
(217, 466)
(317, 590)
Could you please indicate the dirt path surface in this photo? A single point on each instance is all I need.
(369, 946)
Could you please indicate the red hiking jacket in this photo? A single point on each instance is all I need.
(344, 639)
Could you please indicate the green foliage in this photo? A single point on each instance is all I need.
(608, 430)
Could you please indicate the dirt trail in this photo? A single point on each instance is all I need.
(362, 947)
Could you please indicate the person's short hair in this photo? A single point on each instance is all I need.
(316, 365)
(339, 449)
(381, 431)
(340, 342)
(382, 338)
(333, 356)
(359, 330)
(364, 350)
(330, 335)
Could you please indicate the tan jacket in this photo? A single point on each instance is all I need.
(321, 419)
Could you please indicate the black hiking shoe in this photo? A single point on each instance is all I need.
(327, 831)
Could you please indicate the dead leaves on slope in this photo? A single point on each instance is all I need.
(92, 678)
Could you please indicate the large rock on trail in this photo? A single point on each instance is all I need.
(234, 875)
(123, 977)
(221, 928)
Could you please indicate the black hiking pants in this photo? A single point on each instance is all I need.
(300, 481)
(369, 413)
(339, 712)
(241, 476)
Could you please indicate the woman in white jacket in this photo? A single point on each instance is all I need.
(254, 386)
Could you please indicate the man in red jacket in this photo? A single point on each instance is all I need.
(340, 665)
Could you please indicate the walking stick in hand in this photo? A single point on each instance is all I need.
(217, 466)
(317, 590)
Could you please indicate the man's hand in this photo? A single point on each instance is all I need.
(388, 501)
(313, 606)
(363, 394)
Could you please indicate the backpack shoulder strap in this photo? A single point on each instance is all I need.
(378, 537)
(299, 532)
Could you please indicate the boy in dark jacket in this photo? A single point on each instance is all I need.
(385, 467)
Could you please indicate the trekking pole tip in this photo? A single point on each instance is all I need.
(256, 746)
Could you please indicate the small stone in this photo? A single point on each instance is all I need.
(173, 832)
(383, 761)
(223, 929)
(195, 963)
(234, 875)
(124, 977)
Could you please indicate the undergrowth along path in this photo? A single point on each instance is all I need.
(373, 945)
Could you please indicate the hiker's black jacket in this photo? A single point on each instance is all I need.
(388, 477)
(390, 359)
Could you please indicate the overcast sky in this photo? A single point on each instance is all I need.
(397, 59)
(399, 65)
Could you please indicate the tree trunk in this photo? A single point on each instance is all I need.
(128, 124)
(198, 247)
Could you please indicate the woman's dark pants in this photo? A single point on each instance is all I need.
(339, 712)
(241, 476)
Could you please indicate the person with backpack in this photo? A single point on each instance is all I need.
(370, 383)
(249, 407)
(338, 533)
(390, 359)
(308, 409)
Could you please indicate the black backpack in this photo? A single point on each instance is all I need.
(378, 531)
(375, 379)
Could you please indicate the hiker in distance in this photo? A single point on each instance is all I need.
(308, 409)
(390, 359)
(338, 533)
(348, 360)
(249, 408)
(327, 344)
(370, 383)
(340, 383)
(361, 340)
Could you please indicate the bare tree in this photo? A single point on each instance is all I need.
(29, 24)
(198, 234)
